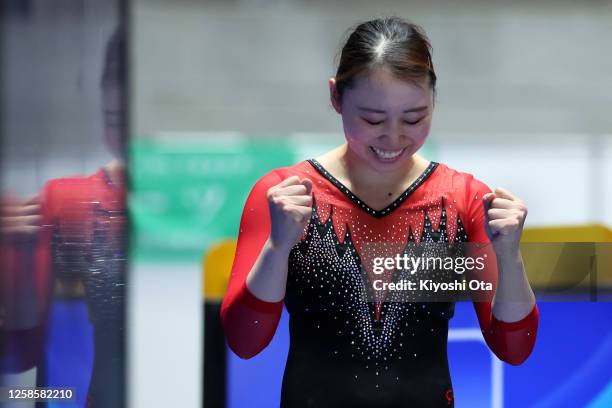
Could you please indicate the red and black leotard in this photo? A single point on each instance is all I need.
(83, 237)
(344, 349)
(88, 220)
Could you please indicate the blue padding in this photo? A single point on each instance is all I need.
(572, 360)
(69, 349)
(570, 366)
(257, 382)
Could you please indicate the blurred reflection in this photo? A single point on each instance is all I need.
(65, 246)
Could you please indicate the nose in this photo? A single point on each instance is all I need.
(393, 136)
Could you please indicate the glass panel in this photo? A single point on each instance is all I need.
(64, 220)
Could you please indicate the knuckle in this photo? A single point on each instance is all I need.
(270, 193)
(276, 199)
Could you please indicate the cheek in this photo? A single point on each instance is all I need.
(357, 132)
(420, 134)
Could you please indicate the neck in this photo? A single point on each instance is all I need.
(116, 171)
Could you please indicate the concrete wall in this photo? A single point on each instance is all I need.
(263, 66)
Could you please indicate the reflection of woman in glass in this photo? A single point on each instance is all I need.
(305, 231)
(78, 224)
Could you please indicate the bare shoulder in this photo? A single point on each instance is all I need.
(330, 155)
(420, 163)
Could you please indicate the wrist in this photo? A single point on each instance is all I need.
(276, 248)
(508, 261)
(507, 252)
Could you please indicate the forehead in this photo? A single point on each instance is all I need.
(381, 89)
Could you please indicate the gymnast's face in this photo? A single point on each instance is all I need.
(386, 120)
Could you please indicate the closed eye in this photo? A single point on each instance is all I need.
(381, 121)
(413, 123)
(373, 123)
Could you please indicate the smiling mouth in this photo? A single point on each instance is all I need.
(387, 154)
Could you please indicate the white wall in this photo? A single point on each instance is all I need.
(559, 177)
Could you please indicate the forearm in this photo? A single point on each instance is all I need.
(514, 298)
(252, 308)
(267, 280)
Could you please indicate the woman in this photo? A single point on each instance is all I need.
(78, 229)
(307, 232)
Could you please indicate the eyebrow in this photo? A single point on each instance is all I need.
(420, 108)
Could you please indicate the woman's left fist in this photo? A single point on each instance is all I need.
(504, 218)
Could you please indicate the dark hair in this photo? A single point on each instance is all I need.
(392, 42)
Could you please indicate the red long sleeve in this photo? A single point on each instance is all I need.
(25, 294)
(511, 342)
(249, 322)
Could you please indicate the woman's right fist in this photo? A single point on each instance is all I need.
(290, 209)
(19, 218)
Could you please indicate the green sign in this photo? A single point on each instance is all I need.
(188, 193)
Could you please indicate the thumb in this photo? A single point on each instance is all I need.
(34, 199)
(308, 184)
(488, 197)
(503, 193)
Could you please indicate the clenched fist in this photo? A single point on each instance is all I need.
(290, 209)
(19, 218)
(504, 218)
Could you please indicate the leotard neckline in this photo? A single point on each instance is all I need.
(359, 202)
